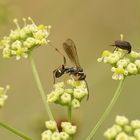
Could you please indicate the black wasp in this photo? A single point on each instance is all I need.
(70, 49)
(123, 45)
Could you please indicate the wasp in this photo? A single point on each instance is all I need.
(123, 45)
(77, 71)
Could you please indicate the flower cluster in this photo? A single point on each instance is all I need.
(22, 41)
(70, 93)
(123, 64)
(123, 129)
(3, 95)
(68, 130)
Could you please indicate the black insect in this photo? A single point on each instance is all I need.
(71, 52)
(123, 45)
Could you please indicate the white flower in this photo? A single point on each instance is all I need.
(135, 55)
(3, 95)
(56, 136)
(75, 103)
(51, 125)
(79, 93)
(128, 129)
(117, 76)
(21, 41)
(65, 98)
(113, 58)
(111, 133)
(123, 62)
(132, 68)
(68, 128)
(46, 135)
(137, 62)
(52, 97)
(64, 136)
(121, 120)
(135, 124)
(122, 136)
(137, 134)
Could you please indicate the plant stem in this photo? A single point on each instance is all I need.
(40, 87)
(69, 113)
(15, 131)
(107, 111)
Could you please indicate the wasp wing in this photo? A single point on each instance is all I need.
(71, 51)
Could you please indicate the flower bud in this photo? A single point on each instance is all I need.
(135, 124)
(128, 129)
(3, 95)
(52, 97)
(121, 120)
(59, 91)
(111, 133)
(105, 53)
(56, 136)
(75, 103)
(65, 98)
(69, 91)
(64, 136)
(132, 69)
(131, 138)
(29, 42)
(137, 134)
(123, 62)
(135, 55)
(122, 136)
(137, 63)
(68, 128)
(51, 125)
(79, 93)
(14, 35)
(46, 135)
(113, 58)
(6, 52)
(17, 44)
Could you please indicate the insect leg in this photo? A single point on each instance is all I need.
(87, 88)
(54, 72)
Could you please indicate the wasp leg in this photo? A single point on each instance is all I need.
(87, 89)
(54, 72)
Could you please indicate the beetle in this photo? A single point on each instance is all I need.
(125, 45)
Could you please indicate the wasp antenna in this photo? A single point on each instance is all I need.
(56, 49)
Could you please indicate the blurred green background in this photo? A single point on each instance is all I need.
(93, 25)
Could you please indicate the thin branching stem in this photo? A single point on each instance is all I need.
(15, 131)
(107, 111)
(40, 87)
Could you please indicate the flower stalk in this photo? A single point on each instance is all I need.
(15, 131)
(40, 87)
(107, 111)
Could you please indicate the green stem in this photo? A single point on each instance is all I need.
(107, 111)
(69, 113)
(40, 88)
(15, 131)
